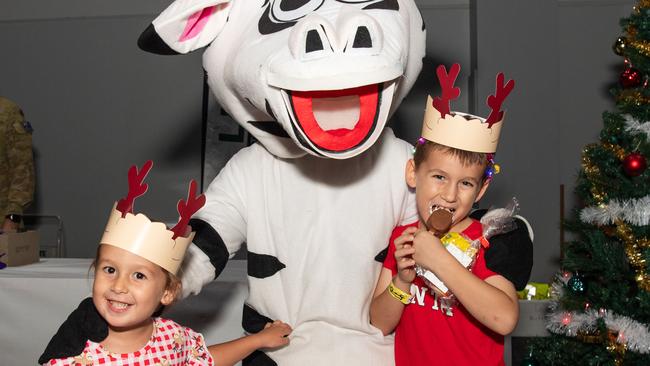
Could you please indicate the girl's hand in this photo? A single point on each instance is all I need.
(404, 251)
(274, 335)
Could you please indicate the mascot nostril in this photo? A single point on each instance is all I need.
(328, 73)
(313, 42)
(362, 38)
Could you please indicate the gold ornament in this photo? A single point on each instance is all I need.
(643, 47)
(618, 151)
(643, 4)
(619, 46)
(634, 251)
(631, 31)
(589, 336)
(617, 349)
(632, 97)
(593, 174)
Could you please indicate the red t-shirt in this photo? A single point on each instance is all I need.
(429, 333)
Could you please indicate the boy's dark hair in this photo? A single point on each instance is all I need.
(466, 157)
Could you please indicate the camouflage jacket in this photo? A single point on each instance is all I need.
(16, 159)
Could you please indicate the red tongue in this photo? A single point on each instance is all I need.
(339, 132)
(340, 139)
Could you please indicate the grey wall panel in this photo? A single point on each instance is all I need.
(98, 104)
(560, 55)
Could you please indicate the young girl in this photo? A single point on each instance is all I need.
(135, 276)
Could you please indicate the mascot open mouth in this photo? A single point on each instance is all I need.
(337, 120)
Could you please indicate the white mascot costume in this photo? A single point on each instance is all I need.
(314, 81)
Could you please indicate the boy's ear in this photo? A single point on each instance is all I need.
(481, 192)
(409, 173)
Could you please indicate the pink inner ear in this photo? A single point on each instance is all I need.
(196, 22)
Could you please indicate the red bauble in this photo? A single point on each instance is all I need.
(630, 78)
(634, 164)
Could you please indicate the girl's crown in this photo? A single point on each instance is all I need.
(461, 130)
(151, 240)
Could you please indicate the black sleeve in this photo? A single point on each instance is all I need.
(83, 324)
(510, 254)
(210, 243)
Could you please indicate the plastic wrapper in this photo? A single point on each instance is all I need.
(495, 221)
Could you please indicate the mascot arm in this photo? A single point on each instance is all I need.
(511, 254)
(83, 324)
(204, 259)
(220, 227)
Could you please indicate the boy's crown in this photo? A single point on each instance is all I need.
(151, 240)
(461, 130)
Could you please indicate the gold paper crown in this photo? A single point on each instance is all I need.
(145, 238)
(461, 130)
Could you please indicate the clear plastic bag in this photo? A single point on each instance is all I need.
(495, 221)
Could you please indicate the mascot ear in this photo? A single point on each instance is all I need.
(186, 25)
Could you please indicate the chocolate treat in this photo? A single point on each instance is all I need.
(439, 222)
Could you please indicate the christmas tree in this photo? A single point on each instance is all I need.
(600, 312)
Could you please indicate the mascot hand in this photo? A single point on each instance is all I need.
(83, 324)
(196, 271)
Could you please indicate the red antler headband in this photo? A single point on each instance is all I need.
(186, 209)
(449, 91)
(136, 187)
(461, 130)
(141, 236)
(495, 101)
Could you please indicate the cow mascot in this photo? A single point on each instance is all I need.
(316, 198)
(314, 81)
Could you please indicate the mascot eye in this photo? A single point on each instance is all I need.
(356, 1)
(292, 10)
(374, 4)
(283, 14)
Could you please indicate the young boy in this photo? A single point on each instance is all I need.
(451, 170)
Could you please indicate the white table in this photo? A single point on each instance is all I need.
(35, 299)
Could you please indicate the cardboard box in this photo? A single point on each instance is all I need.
(20, 248)
(532, 319)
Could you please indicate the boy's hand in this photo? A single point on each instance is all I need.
(403, 255)
(274, 335)
(427, 248)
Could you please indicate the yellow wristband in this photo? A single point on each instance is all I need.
(396, 292)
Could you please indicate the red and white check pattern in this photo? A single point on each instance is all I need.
(171, 344)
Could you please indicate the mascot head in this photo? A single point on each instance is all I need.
(302, 76)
